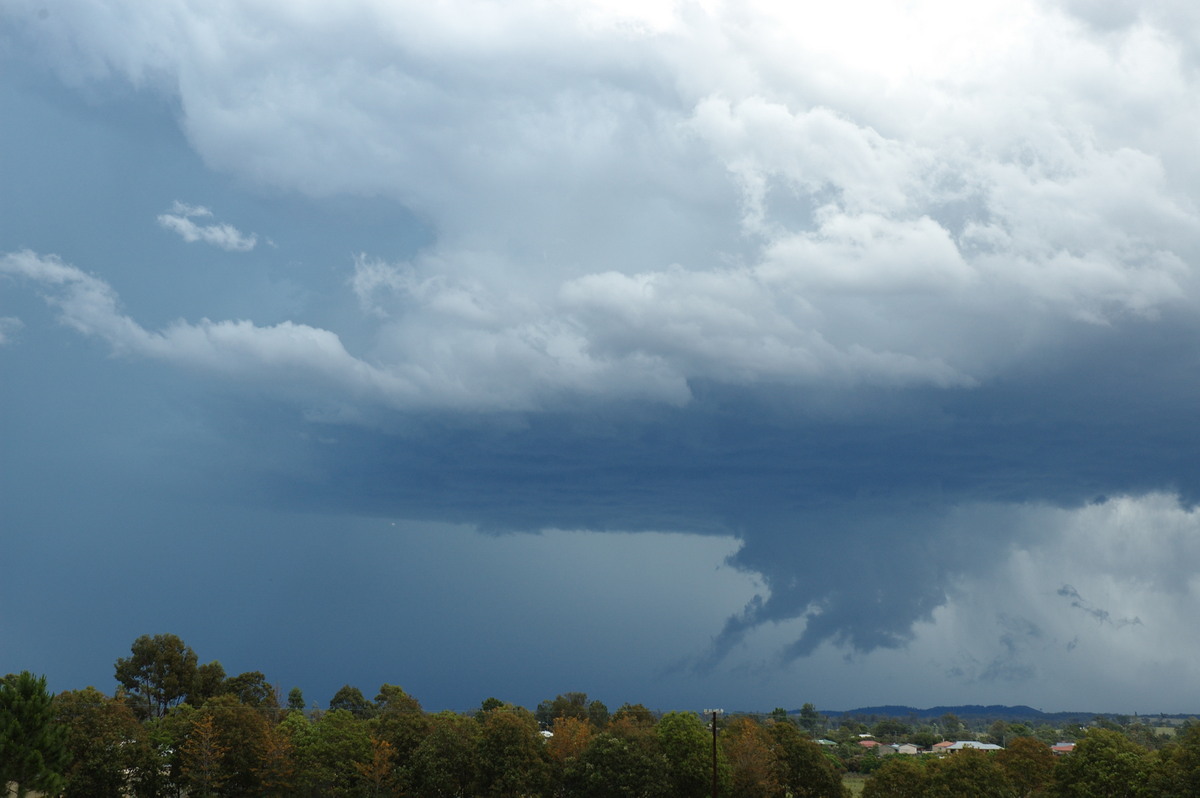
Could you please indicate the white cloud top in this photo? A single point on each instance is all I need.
(626, 200)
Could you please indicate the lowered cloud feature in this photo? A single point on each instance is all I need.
(900, 307)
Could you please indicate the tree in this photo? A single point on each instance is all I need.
(203, 757)
(243, 731)
(1028, 764)
(571, 738)
(598, 714)
(160, 672)
(353, 701)
(897, 777)
(252, 689)
(295, 700)
(209, 682)
(747, 747)
(687, 745)
(617, 766)
(328, 752)
(810, 719)
(803, 769)
(33, 750)
(379, 774)
(565, 705)
(891, 730)
(402, 723)
(634, 715)
(102, 737)
(277, 767)
(512, 755)
(968, 772)
(444, 765)
(1104, 764)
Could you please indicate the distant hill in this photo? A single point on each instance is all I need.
(977, 712)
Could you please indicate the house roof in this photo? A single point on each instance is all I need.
(961, 744)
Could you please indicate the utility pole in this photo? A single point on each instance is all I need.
(714, 713)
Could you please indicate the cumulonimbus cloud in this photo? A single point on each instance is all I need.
(775, 202)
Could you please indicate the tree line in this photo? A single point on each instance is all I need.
(176, 727)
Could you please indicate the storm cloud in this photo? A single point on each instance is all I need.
(898, 301)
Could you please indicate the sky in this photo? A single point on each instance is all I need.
(691, 354)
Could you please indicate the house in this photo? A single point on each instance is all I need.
(907, 748)
(942, 747)
(961, 744)
(1058, 749)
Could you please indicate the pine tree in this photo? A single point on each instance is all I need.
(33, 749)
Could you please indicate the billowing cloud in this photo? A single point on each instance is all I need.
(180, 219)
(877, 292)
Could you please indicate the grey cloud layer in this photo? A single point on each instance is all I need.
(832, 288)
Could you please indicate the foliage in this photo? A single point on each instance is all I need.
(203, 758)
(802, 767)
(446, 764)
(618, 766)
(103, 738)
(159, 673)
(748, 748)
(1104, 765)
(898, 777)
(1028, 765)
(33, 748)
(328, 753)
(512, 755)
(177, 728)
(352, 700)
(686, 743)
(968, 772)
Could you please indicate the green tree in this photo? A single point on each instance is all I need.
(634, 715)
(352, 700)
(898, 777)
(444, 765)
(158, 674)
(617, 766)
(891, 730)
(810, 719)
(242, 730)
(102, 737)
(328, 753)
(208, 682)
(803, 769)
(1104, 764)
(686, 743)
(598, 714)
(33, 747)
(968, 772)
(1029, 766)
(295, 700)
(402, 723)
(565, 705)
(512, 754)
(252, 689)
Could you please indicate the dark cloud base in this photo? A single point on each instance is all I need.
(847, 502)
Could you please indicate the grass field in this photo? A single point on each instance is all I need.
(855, 783)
